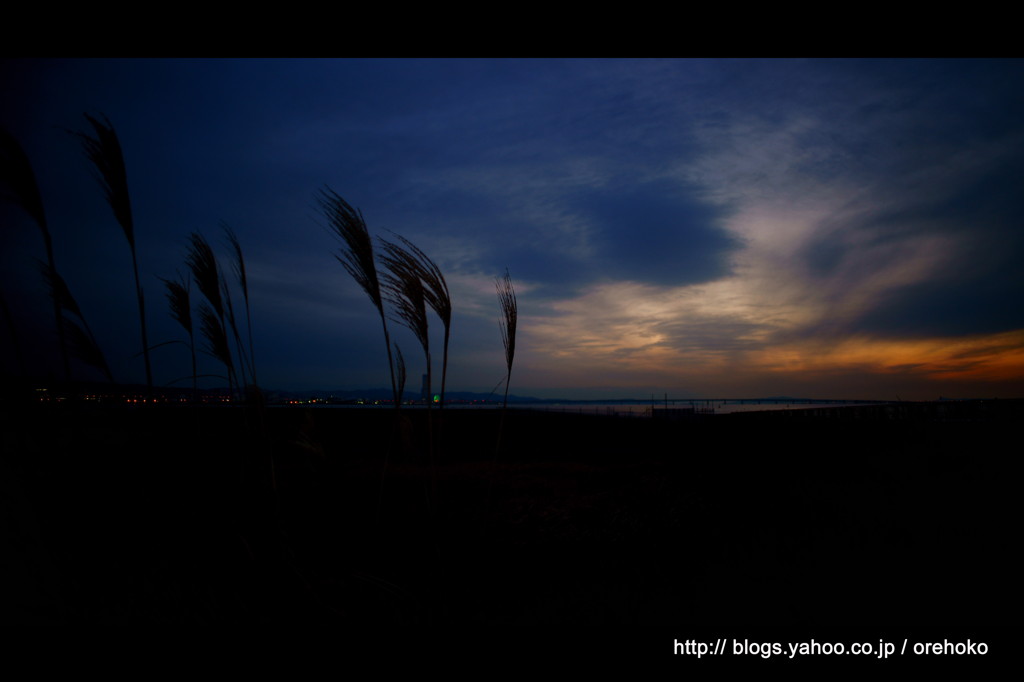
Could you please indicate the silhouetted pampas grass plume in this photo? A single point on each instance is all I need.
(179, 299)
(104, 151)
(509, 318)
(18, 185)
(405, 292)
(58, 289)
(18, 181)
(409, 262)
(84, 347)
(507, 324)
(81, 340)
(357, 258)
(243, 377)
(411, 259)
(202, 262)
(216, 337)
(238, 264)
(404, 288)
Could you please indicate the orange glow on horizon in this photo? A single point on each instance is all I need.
(996, 357)
(628, 358)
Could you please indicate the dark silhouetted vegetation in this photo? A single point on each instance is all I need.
(408, 261)
(80, 338)
(181, 515)
(212, 316)
(509, 319)
(18, 185)
(357, 257)
(179, 299)
(103, 149)
(238, 265)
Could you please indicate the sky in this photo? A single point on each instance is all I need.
(817, 228)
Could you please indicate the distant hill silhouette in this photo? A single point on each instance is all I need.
(385, 394)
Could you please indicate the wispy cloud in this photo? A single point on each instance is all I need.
(713, 224)
(821, 238)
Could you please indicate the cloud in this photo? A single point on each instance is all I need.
(816, 259)
(701, 221)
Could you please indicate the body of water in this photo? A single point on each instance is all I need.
(722, 406)
(638, 409)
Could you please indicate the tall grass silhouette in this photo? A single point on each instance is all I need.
(18, 185)
(509, 320)
(405, 292)
(238, 265)
(400, 386)
(408, 262)
(399, 372)
(216, 337)
(357, 257)
(241, 367)
(216, 315)
(103, 149)
(411, 261)
(507, 324)
(202, 262)
(81, 341)
(179, 299)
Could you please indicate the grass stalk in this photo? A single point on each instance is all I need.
(357, 257)
(405, 292)
(202, 262)
(81, 341)
(413, 262)
(104, 151)
(180, 302)
(400, 384)
(507, 324)
(509, 319)
(243, 377)
(18, 185)
(216, 337)
(238, 264)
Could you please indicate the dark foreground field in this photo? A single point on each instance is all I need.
(898, 517)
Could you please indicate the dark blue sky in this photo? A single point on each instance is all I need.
(824, 228)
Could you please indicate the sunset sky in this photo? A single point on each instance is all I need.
(702, 228)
